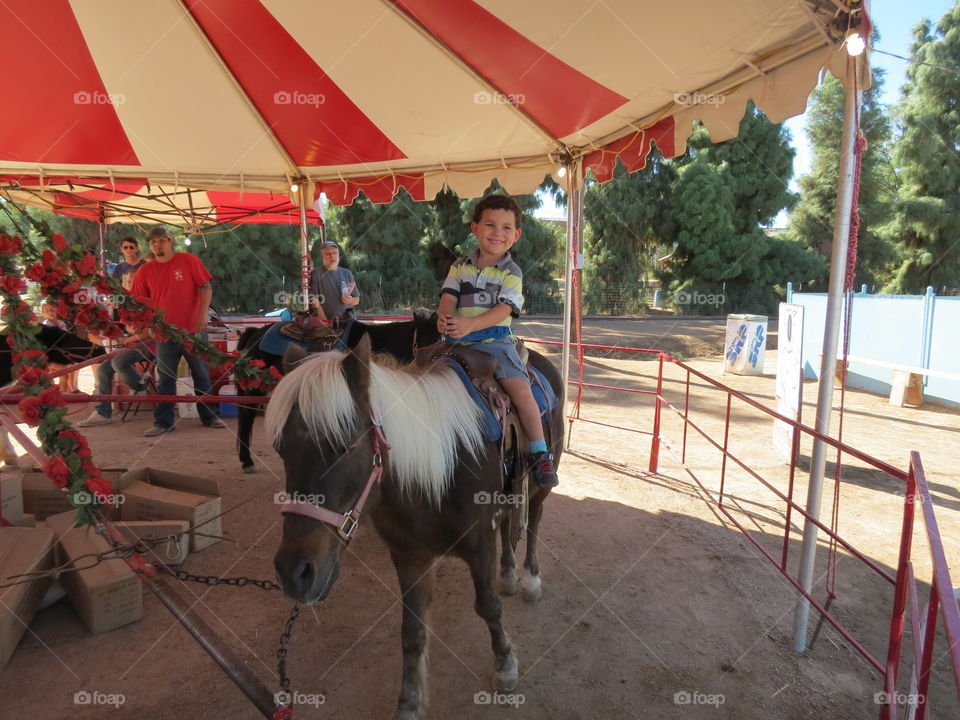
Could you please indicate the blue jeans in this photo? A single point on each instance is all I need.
(123, 364)
(168, 357)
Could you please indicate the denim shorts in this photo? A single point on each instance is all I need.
(505, 351)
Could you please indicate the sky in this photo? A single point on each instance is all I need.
(895, 20)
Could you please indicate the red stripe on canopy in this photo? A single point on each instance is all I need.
(313, 118)
(632, 150)
(377, 189)
(560, 98)
(259, 208)
(57, 108)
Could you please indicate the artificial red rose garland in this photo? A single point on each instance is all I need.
(68, 279)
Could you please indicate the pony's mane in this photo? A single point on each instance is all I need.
(426, 416)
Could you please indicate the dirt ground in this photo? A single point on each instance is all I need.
(651, 596)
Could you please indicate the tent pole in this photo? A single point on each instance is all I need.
(828, 363)
(302, 193)
(103, 240)
(574, 248)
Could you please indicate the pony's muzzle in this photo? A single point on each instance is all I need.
(306, 578)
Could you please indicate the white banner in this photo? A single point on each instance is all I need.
(789, 387)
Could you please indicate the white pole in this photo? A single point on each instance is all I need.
(574, 239)
(828, 363)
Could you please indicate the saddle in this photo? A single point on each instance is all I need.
(308, 332)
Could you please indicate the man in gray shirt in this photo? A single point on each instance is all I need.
(332, 288)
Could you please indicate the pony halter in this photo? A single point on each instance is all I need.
(346, 522)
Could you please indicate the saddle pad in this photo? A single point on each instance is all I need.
(545, 400)
(275, 342)
(491, 426)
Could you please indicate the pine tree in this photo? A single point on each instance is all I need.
(926, 226)
(629, 224)
(812, 220)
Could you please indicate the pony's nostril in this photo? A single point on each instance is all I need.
(303, 575)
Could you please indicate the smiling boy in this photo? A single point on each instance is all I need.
(482, 294)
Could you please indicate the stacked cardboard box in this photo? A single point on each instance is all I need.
(151, 494)
(42, 498)
(11, 497)
(173, 551)
(107, 595)
(22, 550)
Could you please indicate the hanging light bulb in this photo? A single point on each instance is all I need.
(186, 241)
(562, 172)
(294, 187)
(855, 44)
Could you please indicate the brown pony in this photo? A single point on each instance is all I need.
(437, 495)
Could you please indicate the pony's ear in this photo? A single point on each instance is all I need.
(293, 356)
(356, 368)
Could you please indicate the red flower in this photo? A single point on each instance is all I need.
(13, 285)
(100, 488)
(90, 469)
(48, 258)
(25, 355)
(10, 245)
(51, 397)
(59, 242)
(87, 265)
(28, 375)
(258, 363)
(57, 470)
(275, 374)
(83, 449)
(30, 411)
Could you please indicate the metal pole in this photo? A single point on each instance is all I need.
(574, 238)
(103, 241)
(828, 363)
(302, 192)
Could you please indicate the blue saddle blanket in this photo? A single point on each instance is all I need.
(275, 342)
(491, 425)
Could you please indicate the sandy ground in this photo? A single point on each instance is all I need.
(651, 597)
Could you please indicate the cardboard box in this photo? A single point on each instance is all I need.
(105, 596)
(43, 499)
(27, 520)
(11, 496)
(172, 552)
(21, 550)
(151, 494)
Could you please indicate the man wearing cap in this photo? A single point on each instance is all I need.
(179, 284)
(332, 288)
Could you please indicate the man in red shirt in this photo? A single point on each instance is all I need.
(179, 284)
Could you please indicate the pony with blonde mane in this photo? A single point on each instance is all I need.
(429, 493)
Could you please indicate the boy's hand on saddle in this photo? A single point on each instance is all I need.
(455, 326)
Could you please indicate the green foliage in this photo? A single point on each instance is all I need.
(629, 224)
(812, 220)
(926, 223)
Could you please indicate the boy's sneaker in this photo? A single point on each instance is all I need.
(95, 419)
(544, 474)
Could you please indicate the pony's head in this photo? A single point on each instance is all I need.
(324, 418)
(66, 348)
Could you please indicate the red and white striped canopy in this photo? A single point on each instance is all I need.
(167, 106)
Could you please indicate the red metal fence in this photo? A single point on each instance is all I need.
(923, 619)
